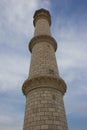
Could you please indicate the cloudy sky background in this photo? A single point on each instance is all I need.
(69, 28)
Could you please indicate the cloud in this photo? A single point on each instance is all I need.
(10, 128)
(76, 105)
(16, 29)
(72, 61)
(11, 111)
(14, 69)
(16, 24)
(7, 122)
(45, 4)
(71, 53)
(18, 14)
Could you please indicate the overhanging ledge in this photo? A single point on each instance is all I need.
(44, 82)
(42, 38)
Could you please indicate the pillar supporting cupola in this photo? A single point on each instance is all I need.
(44, 88)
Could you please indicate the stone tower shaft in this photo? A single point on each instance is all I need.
(42, 19)
(43, 47)
(44, 89)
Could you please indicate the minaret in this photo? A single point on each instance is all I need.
(44, 88)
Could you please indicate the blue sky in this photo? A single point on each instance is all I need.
(69, 28)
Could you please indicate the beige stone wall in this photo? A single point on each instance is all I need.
(42, 27)
(45, 110)
(44, 88)
(43, 61)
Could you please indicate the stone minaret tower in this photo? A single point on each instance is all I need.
(44, 88)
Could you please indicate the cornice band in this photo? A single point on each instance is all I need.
(42, 38)
(44, 82)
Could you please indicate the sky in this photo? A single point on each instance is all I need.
(69, 28)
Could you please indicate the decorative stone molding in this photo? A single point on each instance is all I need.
(44, 82)
(42, 38)
(42, 14)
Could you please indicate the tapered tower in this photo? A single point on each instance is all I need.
(44, 88)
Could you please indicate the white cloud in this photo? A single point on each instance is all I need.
(72, 48)
(18, 14)
(16, 28)
(7, 122)
(16, 25)
(72, 62)
(14, 70)
(75, 104)
(10, 128)
(45, 4)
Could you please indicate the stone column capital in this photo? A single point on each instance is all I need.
(42, 38)
(42, 13)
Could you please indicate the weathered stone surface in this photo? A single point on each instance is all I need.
(44, 89)
(43, 111)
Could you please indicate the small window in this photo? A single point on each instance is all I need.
(51, 71)
(48, 45)
(53, 97)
